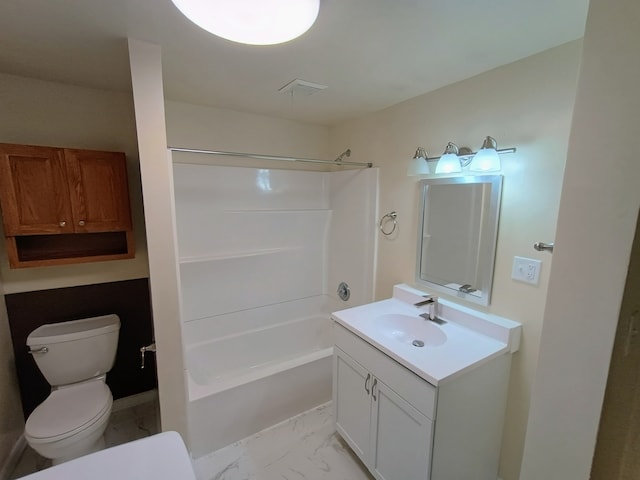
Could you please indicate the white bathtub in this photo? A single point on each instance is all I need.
(243, 383)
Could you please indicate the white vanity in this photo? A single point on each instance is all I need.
(420, 401)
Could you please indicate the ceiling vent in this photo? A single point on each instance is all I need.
(301, 88)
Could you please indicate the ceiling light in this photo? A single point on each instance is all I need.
(449, 161)
(254, 22)
(419, 165)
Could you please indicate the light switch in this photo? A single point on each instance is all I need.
(526, 270)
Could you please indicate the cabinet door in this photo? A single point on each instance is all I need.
(401, 437)
(99, 190)
(352, 402)
(33, 191)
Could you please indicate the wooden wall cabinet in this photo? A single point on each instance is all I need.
(63, 205)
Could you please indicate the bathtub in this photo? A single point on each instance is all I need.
(240, 384)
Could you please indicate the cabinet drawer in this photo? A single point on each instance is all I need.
(415, 390)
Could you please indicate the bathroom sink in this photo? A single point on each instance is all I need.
(411, 330)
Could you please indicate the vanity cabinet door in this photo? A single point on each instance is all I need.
(401, 437)
(352, 402)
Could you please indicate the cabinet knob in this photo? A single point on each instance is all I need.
(63, 224)
(81, 223)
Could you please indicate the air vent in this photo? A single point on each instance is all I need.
(301, 88)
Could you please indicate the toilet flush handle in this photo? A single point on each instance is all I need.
(38, 350)
(149, 348)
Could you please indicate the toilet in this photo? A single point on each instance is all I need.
(74, 357)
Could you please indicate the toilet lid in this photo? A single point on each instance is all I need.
(69, 410)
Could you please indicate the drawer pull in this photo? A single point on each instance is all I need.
(366, 384)
(373, 389)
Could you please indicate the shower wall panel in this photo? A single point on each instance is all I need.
(249, 238)
(352, 241)
(228, 210)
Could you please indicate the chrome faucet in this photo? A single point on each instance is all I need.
(432, 301)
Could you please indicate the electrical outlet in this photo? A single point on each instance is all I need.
(526, 270)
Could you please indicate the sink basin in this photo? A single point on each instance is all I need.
(411, 330)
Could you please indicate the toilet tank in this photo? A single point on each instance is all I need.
(69, 352)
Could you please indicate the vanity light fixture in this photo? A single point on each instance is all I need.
(253, 22)
(419, 165)
(455, 158)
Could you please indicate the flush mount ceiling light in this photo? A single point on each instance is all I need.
(254, 22)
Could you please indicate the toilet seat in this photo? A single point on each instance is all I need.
(69, 411)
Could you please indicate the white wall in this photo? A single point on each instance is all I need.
(45, 113)
(210, 128)
(596, 224)
(527, 104)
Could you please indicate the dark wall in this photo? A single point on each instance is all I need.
(130, 300)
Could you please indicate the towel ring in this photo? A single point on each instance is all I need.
(389, 217)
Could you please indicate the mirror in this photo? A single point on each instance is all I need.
(457, 235)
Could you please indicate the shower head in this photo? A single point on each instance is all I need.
(346, 153)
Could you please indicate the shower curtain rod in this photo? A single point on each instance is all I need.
(256, 156)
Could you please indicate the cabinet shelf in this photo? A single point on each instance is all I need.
(45, 250)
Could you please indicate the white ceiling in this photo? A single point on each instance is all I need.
(370, 53)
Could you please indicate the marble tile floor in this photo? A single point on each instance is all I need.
(305, 447)
(126, 423)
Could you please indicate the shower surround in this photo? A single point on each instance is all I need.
(261, 254)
